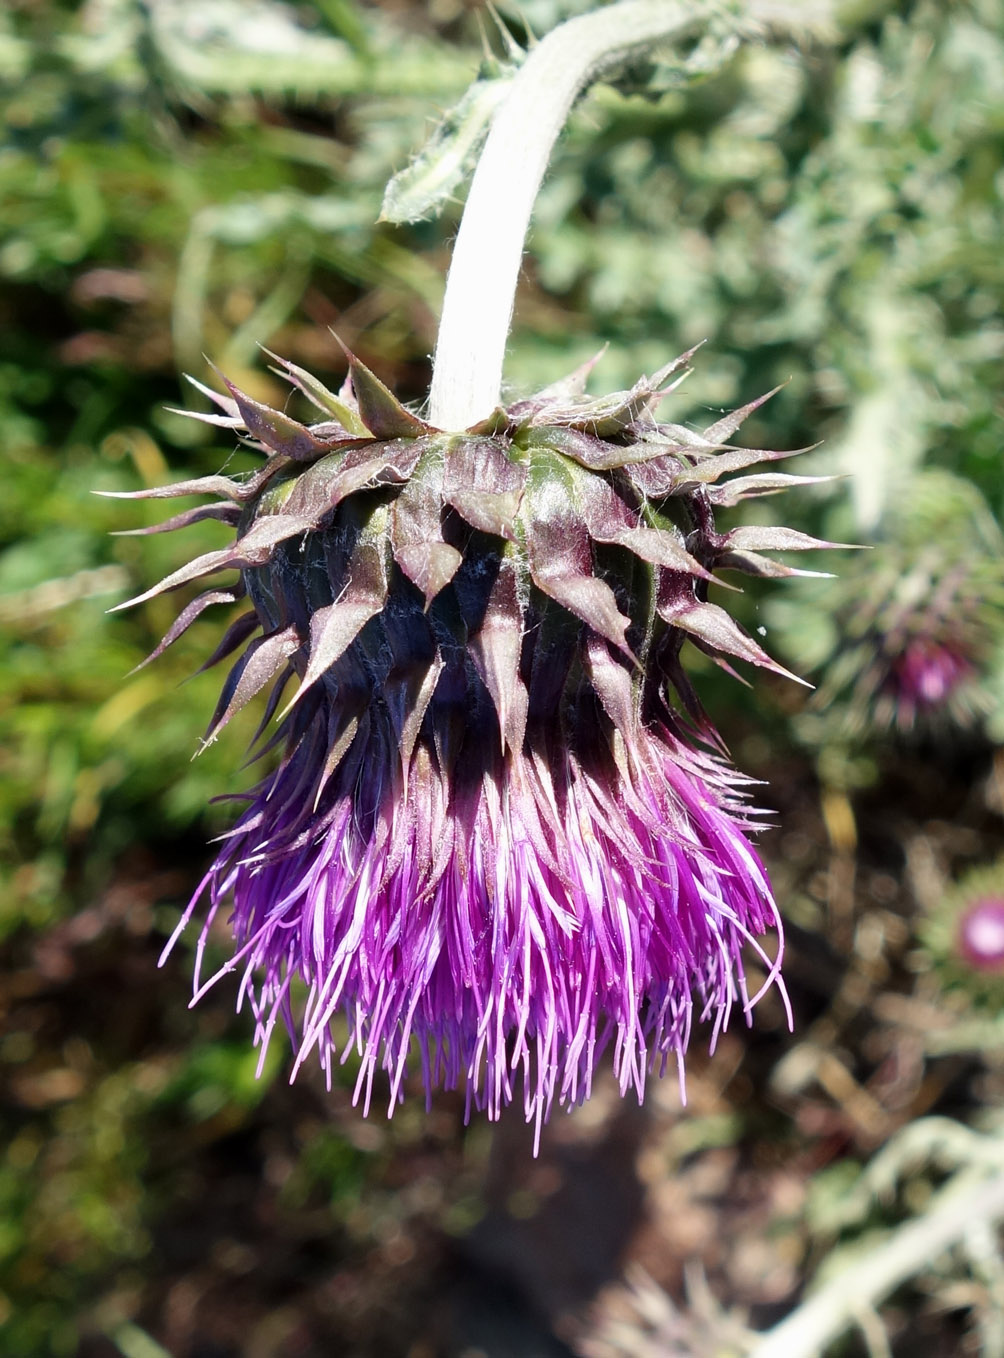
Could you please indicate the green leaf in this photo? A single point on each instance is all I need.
(427, 183)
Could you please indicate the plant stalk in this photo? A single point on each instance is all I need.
(825, 1315)
(481, 286)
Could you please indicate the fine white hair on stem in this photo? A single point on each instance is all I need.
(477, 306)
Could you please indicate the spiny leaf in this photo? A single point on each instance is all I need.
(677, 438)
(655, 383)
(590, 451)
(610, 415)
(332, 631)
(201, 485)
(255, 546)
(206, 564)
(207, 417)
(614, 688)
(226, 403)
(709, 469)
(408, 694)
(425, 184)
(343, 726)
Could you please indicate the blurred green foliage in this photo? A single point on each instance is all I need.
(186, 178)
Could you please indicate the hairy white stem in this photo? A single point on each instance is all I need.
(481, 287)
(840, 1301)
(477, 308)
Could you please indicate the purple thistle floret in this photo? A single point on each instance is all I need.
(502, 836)
(529, 925)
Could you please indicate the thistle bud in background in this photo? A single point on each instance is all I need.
(981, 934)
(963, 936)
(905, 638)
(502, 835)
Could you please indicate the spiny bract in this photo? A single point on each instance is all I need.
(501, 824)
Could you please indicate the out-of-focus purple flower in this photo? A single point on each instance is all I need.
(963, 935)
(925, 675)
(915, 629)
(981, 934)
(903, 638)
(502, 836)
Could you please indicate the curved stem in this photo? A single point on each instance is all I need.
(481, 286)
(827, 1313)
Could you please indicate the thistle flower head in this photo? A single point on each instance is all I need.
(501, 835)
(964, 937)
(902, 638)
